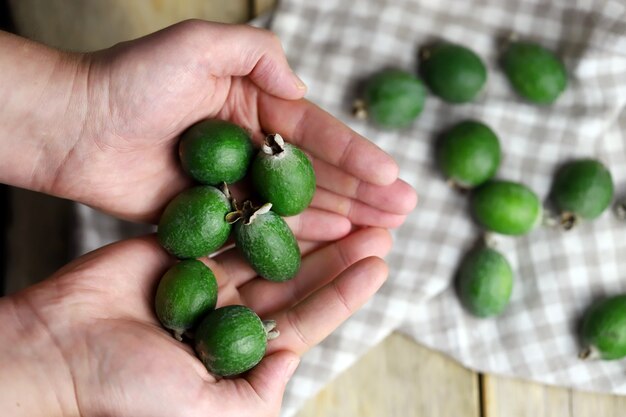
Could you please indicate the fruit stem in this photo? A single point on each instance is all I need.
(270, 329)
(490, 240)
(568, 220)
(457, 187)
(178, 335)
(620, 210)
(589, 353)
(359, 110)
(274, 144)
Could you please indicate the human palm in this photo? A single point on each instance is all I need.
(98, 316)
(142, 94)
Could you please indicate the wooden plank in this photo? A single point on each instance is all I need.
(93, 24)
(399, 378)
(506, 397)
(586, 404)
(262, 6)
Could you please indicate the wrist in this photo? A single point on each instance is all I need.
(35, 380)
(43, 97)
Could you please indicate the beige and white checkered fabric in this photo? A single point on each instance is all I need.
(334, 44)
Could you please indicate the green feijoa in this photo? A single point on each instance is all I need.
(193, 223)
(582, 189)
(232, 339)
(186, 293)
(506, 207)
(453, 72)
(485, 282)
(603, 329)
(283, 175)
(534, 72)
(215, 151)
(392, 98)
(267, 243)
(469, 153)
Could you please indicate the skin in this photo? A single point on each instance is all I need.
(102, 129)
(87, 342)
(106, 126)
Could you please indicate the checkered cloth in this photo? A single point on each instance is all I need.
(334, 44)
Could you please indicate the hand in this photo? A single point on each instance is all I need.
(115, 135)
(87, 342)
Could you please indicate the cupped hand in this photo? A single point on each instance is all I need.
(87, 342)
(140, 95)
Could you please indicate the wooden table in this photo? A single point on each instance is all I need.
(397, 378)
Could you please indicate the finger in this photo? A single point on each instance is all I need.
(314, 224)
(269, 378)
(398, 197)
(318, 269)
(242, 50)
(310, 321)
(324, 137)
(357, 212)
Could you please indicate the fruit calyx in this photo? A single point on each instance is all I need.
(457, 186)
(247, 213)
(568, 220)
(274, 144)
(270, 329)
(359, 109)
(589, 353)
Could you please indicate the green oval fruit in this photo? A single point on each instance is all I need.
(392, 98)
(283, 175)
(534, 72)
(186, 293)
(469, 154)
(267, 243)
(485, 282)
(603, 329)
(453, 72)
(215, 151)
(193, 223)
(506, 207)
(582, 188)
(231, 340)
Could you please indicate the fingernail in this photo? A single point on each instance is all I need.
(299, 83)
(291, 368)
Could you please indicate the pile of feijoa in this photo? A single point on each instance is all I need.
(197, 222)
(469, 154)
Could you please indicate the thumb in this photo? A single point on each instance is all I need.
(270, 377)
